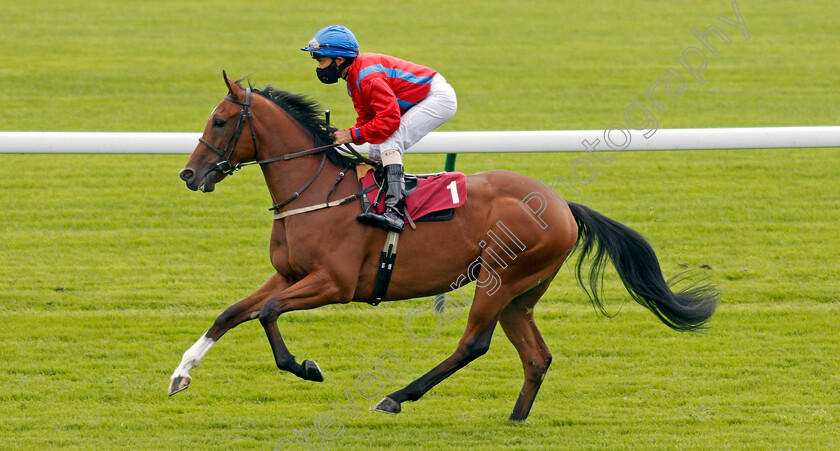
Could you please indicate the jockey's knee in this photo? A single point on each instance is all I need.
(391, 156)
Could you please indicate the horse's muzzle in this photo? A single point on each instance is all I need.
(205, 183)
(188, 176)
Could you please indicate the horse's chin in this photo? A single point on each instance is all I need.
(209, 183)
(206, 187)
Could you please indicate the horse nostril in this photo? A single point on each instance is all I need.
(187, 175)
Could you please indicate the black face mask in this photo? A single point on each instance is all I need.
(329, 74)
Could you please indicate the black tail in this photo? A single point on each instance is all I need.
(639, 269)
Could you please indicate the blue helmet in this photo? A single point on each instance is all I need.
(334, 40)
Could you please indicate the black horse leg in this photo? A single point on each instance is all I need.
(475, 342)
(517, 321)
(310, 292)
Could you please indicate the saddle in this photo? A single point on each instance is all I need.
(428, 197)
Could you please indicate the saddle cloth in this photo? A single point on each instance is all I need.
(432, 193)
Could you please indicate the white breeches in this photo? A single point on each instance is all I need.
(430, 113)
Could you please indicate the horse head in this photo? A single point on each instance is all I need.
(220, 149)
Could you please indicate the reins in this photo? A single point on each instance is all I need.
(314, 177)
(225, 167)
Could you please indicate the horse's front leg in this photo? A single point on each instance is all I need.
(244, 310)
(314, 290)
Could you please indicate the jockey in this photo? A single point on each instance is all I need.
(398, 103)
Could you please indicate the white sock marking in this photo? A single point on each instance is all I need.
(194, 356)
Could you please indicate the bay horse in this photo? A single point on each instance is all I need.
(315, 266)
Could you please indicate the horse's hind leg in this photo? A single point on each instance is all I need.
(475, 342)
(236, 314)
(517, 321)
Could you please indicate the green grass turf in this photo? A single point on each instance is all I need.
(110, 268)
(144, 266)
(156, 66)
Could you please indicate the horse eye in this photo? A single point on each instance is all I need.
(218, 123)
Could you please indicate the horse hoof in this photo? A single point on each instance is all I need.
(388, 405)
(178, 384)
(312, 372)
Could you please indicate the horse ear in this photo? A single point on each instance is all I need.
(230, 85)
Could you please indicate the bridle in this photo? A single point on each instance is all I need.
(224, 166)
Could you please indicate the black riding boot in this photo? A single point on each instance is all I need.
(392, 218)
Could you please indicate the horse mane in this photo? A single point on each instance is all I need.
(309, 113)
